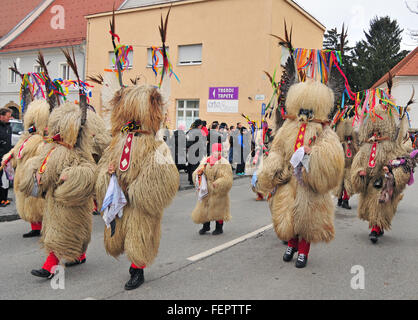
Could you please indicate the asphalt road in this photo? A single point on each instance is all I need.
(250, 268)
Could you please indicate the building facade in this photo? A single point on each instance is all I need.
(405, 82)
(218, 49)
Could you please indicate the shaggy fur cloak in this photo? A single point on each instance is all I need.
(215, 206)
(349, 140)
(150, 183)
(67, 221)
(369, 209)
(29, 208)
(304, 208)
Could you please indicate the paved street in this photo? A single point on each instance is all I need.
(251, 269)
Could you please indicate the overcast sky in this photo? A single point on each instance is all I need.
(358, 13)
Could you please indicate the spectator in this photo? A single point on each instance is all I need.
(196, 148)
(205, 131)
(242, 146)
(215, 136)
(180, 149)
(5, 147)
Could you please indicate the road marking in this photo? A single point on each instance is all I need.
(228, 244)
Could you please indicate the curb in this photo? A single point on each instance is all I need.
(8, 218)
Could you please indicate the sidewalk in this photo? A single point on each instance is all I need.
(9, 213)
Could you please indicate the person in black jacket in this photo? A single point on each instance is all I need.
(196, 148)
(5, 147)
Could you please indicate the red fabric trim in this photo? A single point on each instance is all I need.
(136, 267)
(50, 262)
(304, 247)
(36, 226)
(293, 243)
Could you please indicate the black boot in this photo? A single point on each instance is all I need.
(301, 261)
(32, 233)
(288, 255)
(206, 228)
(137, 278)
(42, 273)
(373, 236)
(218, 230)
(340, 202)
(345, 205)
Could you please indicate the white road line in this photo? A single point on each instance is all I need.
(228, 244)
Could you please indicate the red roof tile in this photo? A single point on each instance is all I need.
(407, 67)
(40, 34)
(19, 9)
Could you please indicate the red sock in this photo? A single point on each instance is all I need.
(346, 196)
(135, 267)
(36, 226)
(51, 261)
(377, 229)
(293, 243)
(220, 221)
(304, 247)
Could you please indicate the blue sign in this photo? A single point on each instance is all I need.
(263, 109)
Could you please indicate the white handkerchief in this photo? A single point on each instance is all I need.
(297, 157)
(114, 202)
(203, 188)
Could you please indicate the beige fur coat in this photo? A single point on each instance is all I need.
(215, 206)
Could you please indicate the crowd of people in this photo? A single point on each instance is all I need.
(190, 146)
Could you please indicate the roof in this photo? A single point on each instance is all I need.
(20, 8)
(128, 4)
(407, 67)
(41, 34)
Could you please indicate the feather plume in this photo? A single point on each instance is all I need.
(390, 83)
(337, 84)
(82, 95)
(96, 79)
(113, 33)
(53, 100)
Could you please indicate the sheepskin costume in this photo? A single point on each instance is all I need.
(66, 169)
(379, 140)
(302, 208)
(101, 135)
(215, 206)
(149, 182)
(349, 140)
(35, 120)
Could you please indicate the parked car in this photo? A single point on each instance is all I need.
(17, 130)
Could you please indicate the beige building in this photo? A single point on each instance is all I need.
(218, 48)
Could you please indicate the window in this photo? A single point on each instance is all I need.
(112, 58)
(191, 54)
(159, 58)
(12, 77)
(64, 71)
(187, 112)
(38, 69)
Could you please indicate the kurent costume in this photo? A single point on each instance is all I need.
(349, 140)
(65, 170)
(146, 173)
(62, 174)
(136, 177)
(300, 200)
(381, 141)
(214, 206)
(35, 122)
